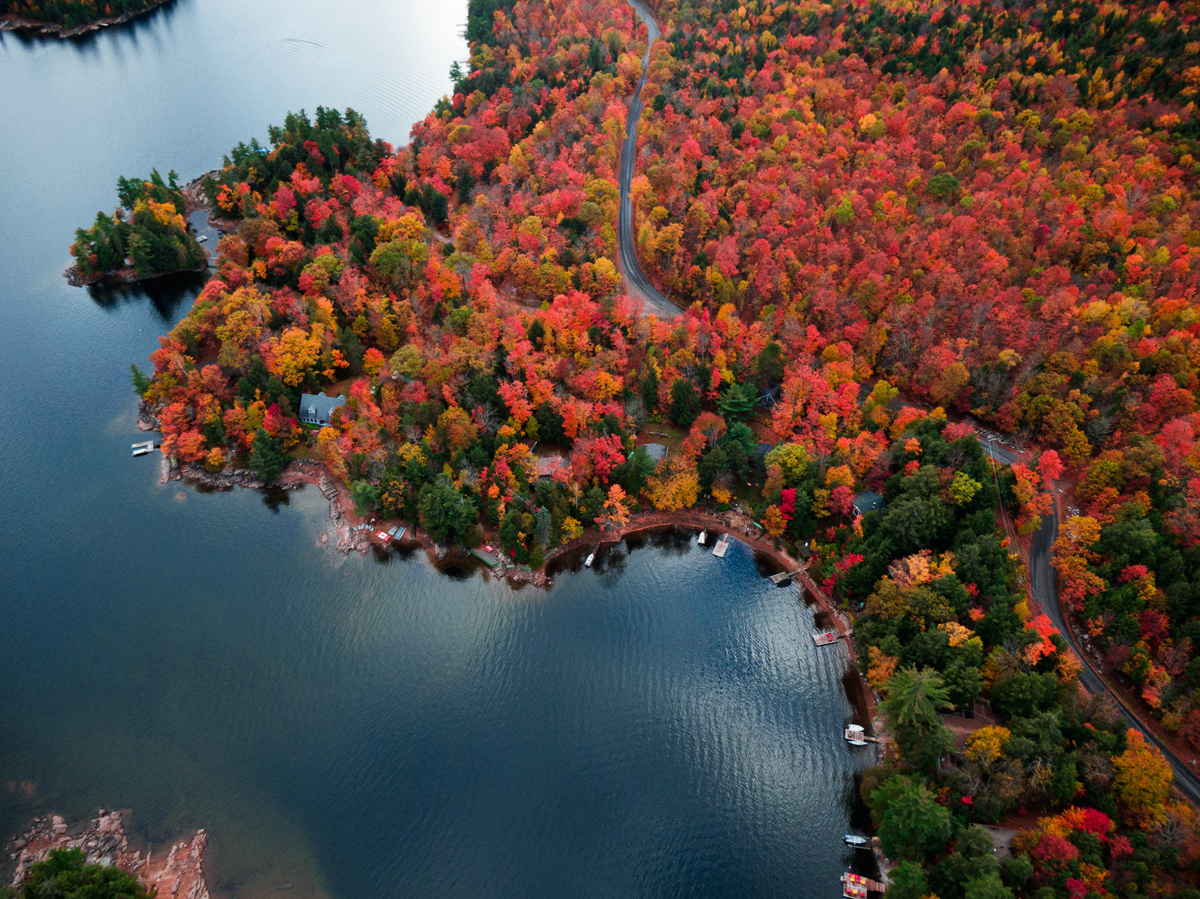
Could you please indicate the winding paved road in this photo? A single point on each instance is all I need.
(636, 281)
(1043, 582)
(1044, 586)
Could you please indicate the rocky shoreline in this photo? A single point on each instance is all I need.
(51, 29)
(179, 874)
(121, 277)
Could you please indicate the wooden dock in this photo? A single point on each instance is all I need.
(329, 491)
(721, 547)
(826, 638)
(142, 449)
(784, 576)
(855, 886)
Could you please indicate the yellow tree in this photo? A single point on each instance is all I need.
(674, 486)
(294, 353)
(987, 744)
(615, 516)
(1142, 779)
(773, 521)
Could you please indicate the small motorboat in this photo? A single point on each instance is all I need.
(202, 238)
(854, 735)
(855, 840)
(587, 563)
(703, 536)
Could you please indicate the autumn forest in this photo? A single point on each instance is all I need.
(889, 225)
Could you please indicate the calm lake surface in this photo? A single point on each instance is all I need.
(661, 725)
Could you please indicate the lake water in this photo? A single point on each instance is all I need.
(661, 725)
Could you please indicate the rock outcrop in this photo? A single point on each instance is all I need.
(179, 875)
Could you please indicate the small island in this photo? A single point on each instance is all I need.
(68, 18)
(146, 237)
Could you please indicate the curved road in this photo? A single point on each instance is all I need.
(636, 281)
(1043, 582)
(1044, 585)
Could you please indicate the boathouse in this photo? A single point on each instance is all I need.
(317, 410)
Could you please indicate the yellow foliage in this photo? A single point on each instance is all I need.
(674, 486)
(957, 633)
(880, 668)
(1142, 779)
(986, 745)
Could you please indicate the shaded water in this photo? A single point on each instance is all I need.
(658, 726)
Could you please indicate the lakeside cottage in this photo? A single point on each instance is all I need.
(317, 410)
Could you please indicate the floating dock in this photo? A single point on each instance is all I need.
(826, 638)
(142, 449)
(855, 886)
(784, 576)
(721, 547)
(856, 736)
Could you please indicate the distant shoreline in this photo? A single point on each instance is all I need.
(51, 29)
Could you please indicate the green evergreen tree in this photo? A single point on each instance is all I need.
(267, 458)
(445, 512)
(914, 699)
(685, 403)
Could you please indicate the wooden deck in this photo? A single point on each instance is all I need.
(721, 547)
(784, 576)
(855, 885)
(826, 638)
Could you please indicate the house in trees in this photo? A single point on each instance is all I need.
(656, 451)
(549, 466)
(867, 501)
(317, 410)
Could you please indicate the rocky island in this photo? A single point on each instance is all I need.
(146, 237)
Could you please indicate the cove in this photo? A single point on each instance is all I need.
(658, 726)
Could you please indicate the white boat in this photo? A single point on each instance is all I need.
(587, 563)
(855, 840)
(854, 735)
(202, 238)
(703, 536)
